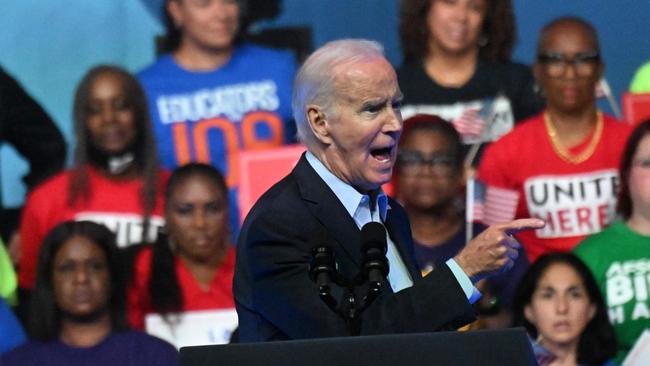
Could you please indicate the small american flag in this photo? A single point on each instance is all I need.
(604, 91)
(469, 123)
(488, 204)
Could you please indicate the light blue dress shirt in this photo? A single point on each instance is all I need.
(358, 206)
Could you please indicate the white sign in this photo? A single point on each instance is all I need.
(193, 328)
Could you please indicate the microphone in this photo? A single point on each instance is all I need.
(373, 249)
(322, 270)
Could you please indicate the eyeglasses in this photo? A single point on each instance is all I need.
(411, 163)
(556, 64)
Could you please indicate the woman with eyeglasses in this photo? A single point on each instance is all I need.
(561, 165)
(619, 256)
(429, 180)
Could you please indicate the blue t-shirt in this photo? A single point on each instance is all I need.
(11, 332)
(120, 348)
(209, 116)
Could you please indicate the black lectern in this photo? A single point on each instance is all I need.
(501, 347)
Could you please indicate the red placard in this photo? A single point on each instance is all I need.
(260, 169)
(636, 107)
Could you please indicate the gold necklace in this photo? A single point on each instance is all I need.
(563, 152)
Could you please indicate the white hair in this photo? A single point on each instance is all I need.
(314, 83)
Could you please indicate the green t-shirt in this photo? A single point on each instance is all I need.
(619, 259)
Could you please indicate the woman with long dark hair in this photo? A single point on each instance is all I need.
(115, 180)
(560, 305)
(77, 315)
(620, 255)
(187, 274)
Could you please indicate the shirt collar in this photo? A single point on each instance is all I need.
(349, 197)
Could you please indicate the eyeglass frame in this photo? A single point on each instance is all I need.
(436, 161)
(578, 62)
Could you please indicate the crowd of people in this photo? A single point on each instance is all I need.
(137, 248)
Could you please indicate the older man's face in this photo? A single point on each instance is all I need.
(366, 124)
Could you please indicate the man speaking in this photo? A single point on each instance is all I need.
(346, 103)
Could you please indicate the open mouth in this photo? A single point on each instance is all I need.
(383, 154)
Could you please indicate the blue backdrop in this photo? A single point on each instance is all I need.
(48, 44)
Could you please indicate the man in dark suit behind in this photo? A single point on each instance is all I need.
(346, 105)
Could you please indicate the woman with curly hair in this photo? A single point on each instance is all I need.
(457, 66)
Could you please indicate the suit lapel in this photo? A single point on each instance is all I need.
(399, 232)
(327, 209)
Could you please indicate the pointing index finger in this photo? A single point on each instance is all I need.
(516, 226)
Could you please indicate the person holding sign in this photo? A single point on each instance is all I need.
(181, 286)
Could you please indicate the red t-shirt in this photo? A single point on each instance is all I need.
(575, 200)
(218, 296)
(116, 204)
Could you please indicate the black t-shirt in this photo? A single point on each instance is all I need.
(513, 80)
(502, 94)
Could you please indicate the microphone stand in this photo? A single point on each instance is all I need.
(323, 271)
(374, 267)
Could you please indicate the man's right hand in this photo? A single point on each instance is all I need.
(494, 249)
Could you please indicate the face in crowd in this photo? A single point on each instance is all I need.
(81, 279)
(560, 307)
(634, 192)
(428, 172)
(197, 217)
(455, 25)
(110, 115)
(568, 66)
(362, 131)
(206, 24)
(639, 177)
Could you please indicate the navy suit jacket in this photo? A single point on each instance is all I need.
(274, 295)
